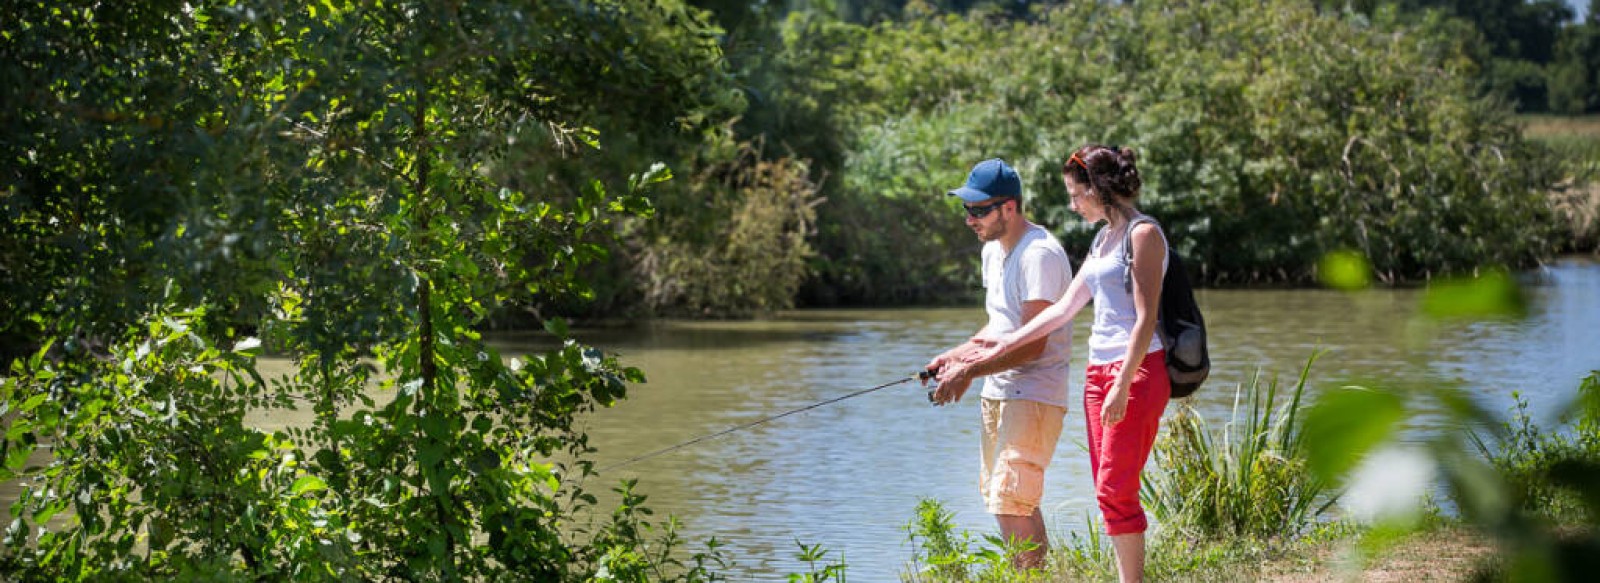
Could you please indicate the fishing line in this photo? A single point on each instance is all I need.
(924, 375)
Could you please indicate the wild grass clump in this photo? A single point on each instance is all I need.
(1246, 481)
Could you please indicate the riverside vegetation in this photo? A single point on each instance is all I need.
(365, 186)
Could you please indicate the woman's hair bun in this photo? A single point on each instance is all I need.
(1127, 154)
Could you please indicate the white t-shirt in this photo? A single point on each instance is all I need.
(1036, 269)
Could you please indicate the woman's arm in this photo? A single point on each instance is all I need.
(1057, 315)
(1148, 251)
(1033, 331)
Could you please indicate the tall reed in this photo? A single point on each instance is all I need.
(1248, 481)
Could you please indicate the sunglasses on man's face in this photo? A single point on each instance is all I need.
(978, 212)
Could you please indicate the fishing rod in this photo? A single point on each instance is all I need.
(921, 375)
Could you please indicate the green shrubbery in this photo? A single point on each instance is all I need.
(1269, 134)
(189, 185)
(1528, 457)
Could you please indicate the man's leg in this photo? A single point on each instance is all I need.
(1027, 433)
(1027, 529)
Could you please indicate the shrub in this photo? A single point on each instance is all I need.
(1526, 456)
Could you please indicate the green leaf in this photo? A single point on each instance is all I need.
(1347, 423)
(32, 402)
(1492, 295)
(308, 484)
(1345, 270)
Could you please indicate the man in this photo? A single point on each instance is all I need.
(1024, 398)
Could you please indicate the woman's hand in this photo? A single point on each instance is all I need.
(986, 350)
(1115, 407)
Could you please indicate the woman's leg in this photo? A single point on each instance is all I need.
(1124, 447)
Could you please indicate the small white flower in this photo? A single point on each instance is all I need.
(247, 344)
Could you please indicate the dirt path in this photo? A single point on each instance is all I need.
(1444, 554)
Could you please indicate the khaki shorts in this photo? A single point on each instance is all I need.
(1019, 437)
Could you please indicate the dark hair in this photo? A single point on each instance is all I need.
(1108, 170)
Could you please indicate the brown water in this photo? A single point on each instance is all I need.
(849, 475)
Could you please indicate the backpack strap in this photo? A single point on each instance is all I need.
(1127, 249)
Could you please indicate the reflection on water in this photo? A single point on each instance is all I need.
(849, 475)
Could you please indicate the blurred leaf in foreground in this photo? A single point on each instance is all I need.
(1492, 294)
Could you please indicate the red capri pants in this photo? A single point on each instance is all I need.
(1117, 453)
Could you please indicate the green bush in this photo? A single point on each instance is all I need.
(1269, 134)
(318, 181)
(1526, 456)
(739, 247)
(942, 553)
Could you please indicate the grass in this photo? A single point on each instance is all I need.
(1443, 551)
(1560, 126)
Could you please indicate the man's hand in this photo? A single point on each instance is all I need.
(954, 379)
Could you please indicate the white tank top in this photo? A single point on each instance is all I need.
(1114, 314)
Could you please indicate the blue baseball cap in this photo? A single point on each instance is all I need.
(989, 179)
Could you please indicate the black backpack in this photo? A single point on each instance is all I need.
(1182, 329)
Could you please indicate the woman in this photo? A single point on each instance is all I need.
(1122, 405)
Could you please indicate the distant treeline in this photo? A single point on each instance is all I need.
(1270, 133)
(1540, 53)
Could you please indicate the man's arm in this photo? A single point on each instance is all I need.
(952, 387)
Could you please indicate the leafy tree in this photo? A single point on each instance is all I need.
(1520, 38)
(1575, 74)
(189, 184)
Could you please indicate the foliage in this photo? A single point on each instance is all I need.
(317, 180)
(940, 553)
(1527, 456)
(740, 247)
(1574, 76)
(812, 555)
(1250, 481)
(1089, 554)
(1268, 135)
(1576, 141)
